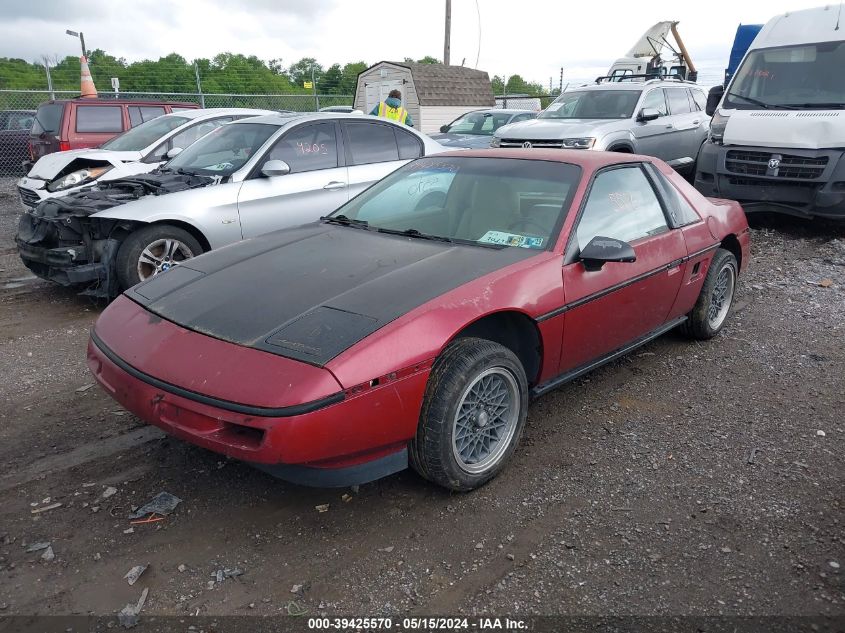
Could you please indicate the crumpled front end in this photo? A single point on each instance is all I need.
(62, 240)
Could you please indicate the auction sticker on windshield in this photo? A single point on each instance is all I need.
(511, 239)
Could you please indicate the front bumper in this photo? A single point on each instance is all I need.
(812, 184)
(247, 408)
(62, 250)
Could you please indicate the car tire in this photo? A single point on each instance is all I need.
(151, 250)
(472, 416)
(711, 311)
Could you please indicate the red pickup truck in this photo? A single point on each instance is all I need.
(80, 123)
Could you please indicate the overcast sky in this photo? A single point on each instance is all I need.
(531, 37)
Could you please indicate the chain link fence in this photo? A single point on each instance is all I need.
(17, 109)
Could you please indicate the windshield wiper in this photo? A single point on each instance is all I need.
(345, 221)
(831, 105)
(762, 104)
(417, 234)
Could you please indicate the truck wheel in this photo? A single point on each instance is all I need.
(153, 250)
(474, 409)
(714, 303)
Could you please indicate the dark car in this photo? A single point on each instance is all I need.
(81, 123)
(14, 137)
(475, 129)
(414, 324)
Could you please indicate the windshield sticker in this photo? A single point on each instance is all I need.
(511, 239)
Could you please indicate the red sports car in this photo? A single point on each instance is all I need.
(413, 325)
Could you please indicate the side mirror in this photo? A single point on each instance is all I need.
(275, 168)
(648, 114)
(602, 250)
(713, 98)
(444, 128)
(173, 153)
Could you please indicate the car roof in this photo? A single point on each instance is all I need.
(99, 100)
(283, 118)
(635, 85)
(211, 112)
(590, 160)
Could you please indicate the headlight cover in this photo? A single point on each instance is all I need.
(77, 178)
(717, 126)
(578, 143)
(495, 141)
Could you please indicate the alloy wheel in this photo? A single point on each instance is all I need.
(721, 297)
(486, 419)
(162, 255)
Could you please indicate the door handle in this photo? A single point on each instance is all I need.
(334, 185)
(696, 122)
(670, 127)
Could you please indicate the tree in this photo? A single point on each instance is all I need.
(428, 59)
(300, 72)
(331, 81)
(498, 85)
(349, 80)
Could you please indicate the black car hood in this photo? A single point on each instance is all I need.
(312, 292)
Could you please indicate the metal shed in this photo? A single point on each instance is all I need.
(433, 94)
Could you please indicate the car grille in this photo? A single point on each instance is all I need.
(537, 143)
(751, 163)
(28, 197)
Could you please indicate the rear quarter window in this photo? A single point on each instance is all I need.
(99, 119)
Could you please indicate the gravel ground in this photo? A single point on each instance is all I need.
(696, 479)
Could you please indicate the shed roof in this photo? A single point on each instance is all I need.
(439, 85)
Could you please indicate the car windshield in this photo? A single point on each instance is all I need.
(47, 118)
(593, 104)
(225, 150)
(480, 123)
(807, 76)
(144, 135)
(494, 202)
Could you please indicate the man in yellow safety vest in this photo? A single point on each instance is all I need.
(391, 108)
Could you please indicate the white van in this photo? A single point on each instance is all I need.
(778, 129)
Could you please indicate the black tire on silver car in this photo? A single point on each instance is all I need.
(473, 413)
(714, 303)
(151, 250)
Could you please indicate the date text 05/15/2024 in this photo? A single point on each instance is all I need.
(417, 624)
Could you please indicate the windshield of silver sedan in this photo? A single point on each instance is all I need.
(496, 202)
(223, 151)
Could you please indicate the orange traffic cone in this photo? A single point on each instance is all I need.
(87, 89)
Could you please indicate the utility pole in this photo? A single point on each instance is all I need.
(46, 60)
(447, 41)
(561, 79)
(199, 85)
(314, 90)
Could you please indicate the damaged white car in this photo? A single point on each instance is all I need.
(137, 151)
(241, 180)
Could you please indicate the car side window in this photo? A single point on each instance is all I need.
(680, 211)
(622, 205)
(371, 143)
(656, 100)
(409, 145)
(699, 98)
(678, 101)
(140, 114)
(307, 148)
(99, 119)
